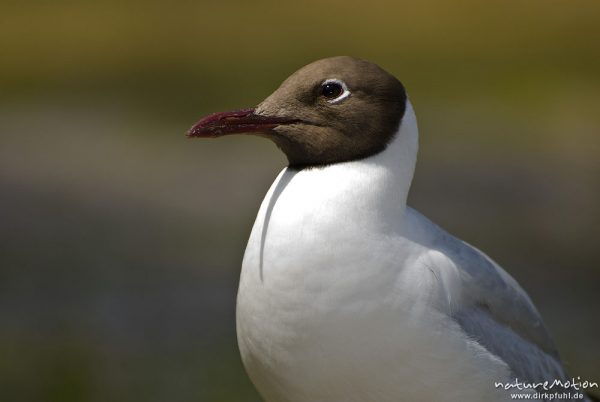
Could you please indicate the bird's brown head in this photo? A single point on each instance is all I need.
(333, 110)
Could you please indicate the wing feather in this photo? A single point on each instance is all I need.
(498, 314)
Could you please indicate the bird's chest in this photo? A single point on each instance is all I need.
(314, 249)
(306, 319)
(301, 271)
(316, 298)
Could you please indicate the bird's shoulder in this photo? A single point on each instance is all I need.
(488, 303)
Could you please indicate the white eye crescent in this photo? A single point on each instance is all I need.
(334, 90)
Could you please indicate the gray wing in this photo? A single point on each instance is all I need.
(500, 316)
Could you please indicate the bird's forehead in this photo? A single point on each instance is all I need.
(349, 70)
(358, 75)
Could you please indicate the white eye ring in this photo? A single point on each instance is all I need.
(346, 92)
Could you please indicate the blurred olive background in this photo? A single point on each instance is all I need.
(121, 240)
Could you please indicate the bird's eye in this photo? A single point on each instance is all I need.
(334, 90)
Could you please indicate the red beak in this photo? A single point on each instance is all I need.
(235, 122)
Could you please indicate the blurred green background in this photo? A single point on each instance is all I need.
(121, 240)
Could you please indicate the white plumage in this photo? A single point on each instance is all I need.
(346, 294)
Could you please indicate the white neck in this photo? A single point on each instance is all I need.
(370, 191)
